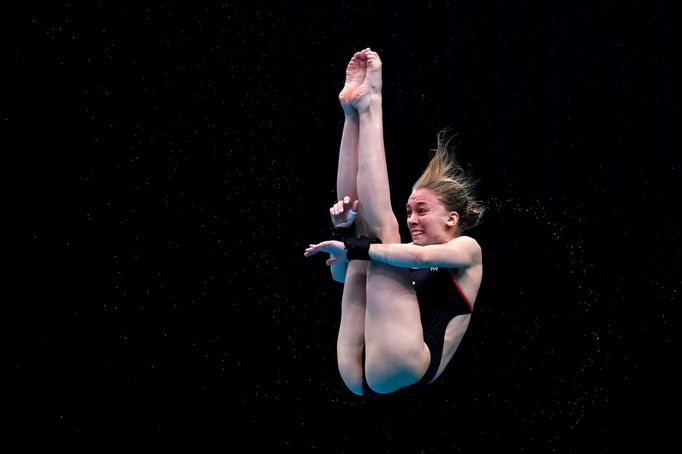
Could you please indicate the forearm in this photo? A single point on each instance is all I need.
(338, 270)
(398, 255)
(459, 253)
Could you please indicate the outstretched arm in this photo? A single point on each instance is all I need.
(337, 262)
(460, 252)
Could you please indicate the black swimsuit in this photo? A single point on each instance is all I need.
(440, 300)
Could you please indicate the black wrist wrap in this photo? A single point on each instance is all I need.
(358, 248)
(341, 233)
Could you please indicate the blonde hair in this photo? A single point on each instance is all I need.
(454, 186)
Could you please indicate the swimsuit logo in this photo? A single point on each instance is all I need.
(434, 268)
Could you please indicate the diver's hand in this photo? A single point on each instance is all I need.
(332, 247)
(343, 212)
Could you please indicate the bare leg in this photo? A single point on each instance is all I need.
(396, 355)
(372, 179)
(348, 151)
(351, 337)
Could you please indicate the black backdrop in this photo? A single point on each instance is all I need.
(166, 166)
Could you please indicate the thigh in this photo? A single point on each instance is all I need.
(393, 331)
(354, 303)
(351, 337)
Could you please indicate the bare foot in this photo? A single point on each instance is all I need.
(370, 88)
(355, 75)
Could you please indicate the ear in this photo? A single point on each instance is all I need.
(452, 219)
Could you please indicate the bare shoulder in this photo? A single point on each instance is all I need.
(465, 241)
(469, 246)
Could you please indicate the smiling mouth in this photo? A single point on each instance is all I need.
(417, 232)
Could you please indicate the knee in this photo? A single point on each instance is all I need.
(387, 232)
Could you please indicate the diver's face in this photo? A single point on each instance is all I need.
(428, 220)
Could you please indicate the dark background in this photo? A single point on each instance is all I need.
(167, 165)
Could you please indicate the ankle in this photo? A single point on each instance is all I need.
(374, 107)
